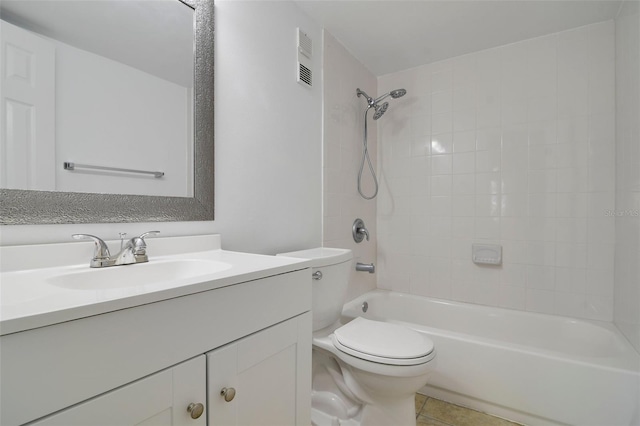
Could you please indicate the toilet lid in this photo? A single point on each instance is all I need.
(382, 340)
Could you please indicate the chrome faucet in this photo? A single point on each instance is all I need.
(366, 267)
(131, 251)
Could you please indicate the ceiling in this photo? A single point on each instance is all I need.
(393, 35)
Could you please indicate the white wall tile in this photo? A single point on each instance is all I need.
(571, 280)
(487, 228)
(441, 185)
(488, 161)
(464, 141)
(442, 123)
(464, 98)
(521, 153)
(513, 181)
(442, 79)
(463, 205)
(512, 297)
(463, 227)
(514, 205)
(442, 102)
(441, 164)
(542, 301)
(442, 143)
(463, 183)
(464, 163)
(514, 228)
(488, 183)
(570, 304)
(489, 139)
(464, 119)
(627, 261)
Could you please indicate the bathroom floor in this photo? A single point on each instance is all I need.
(433, 412)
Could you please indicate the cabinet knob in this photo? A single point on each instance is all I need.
(195, 409)
(228, 393)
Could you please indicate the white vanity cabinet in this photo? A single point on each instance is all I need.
(255, 381)
(167, 398)
(146, 364)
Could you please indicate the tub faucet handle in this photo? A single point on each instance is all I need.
(359, 231)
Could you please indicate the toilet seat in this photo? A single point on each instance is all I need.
(383, 343)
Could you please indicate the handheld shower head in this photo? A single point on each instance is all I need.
(395, 94)
(380, 110)
(398, 93)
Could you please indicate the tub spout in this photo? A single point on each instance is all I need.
(365, 267)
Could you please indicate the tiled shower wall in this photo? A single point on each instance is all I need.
(514, 146)
(342, 148)
(627, 267)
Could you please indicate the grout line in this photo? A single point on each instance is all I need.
(422, 412)
(419, 410)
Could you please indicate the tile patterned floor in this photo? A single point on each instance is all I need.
(433, 412)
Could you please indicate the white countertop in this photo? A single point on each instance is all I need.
(28, 300)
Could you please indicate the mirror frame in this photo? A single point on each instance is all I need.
(24, 207)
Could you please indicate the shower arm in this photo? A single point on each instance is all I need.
(370, 101)
(382, 97)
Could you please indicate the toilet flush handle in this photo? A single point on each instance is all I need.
(317, 275)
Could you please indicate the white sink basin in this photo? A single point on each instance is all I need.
(136, 275)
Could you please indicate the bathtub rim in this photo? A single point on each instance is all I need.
(626, 362)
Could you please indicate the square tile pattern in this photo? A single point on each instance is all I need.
(434, 412)
(514, 145)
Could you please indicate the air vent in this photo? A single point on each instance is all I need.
(305, 53)
(304, 75)
(305, 46)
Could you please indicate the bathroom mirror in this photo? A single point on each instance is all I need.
(19, 206)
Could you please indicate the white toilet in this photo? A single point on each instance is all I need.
(364, 372)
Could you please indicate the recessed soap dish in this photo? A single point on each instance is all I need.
(486, 254)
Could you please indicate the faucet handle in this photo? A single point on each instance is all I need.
(101, 250)
(138, 243)
(149, 233)
(359, 231)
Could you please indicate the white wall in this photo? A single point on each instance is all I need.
(268, 165)
(342, 146)
(627, 266)
(268, 139)
(512, 145)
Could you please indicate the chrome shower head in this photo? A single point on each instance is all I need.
(395, 94)
(398, 93)
(380, 110)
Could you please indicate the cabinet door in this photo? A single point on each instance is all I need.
(157, 400)
(270, 373)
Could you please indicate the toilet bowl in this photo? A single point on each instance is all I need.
(365, 372)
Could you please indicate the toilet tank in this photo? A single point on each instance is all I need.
(330, 288)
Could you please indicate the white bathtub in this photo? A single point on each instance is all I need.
(532, 368)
